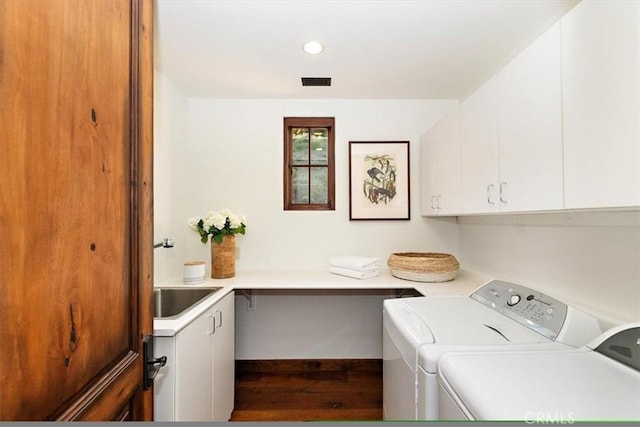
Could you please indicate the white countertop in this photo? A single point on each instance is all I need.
(463, 284)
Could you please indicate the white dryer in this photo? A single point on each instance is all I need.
(497, 316)
(598, 382)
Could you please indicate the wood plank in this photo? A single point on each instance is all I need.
(300, 365)
(308, 390)
(308, 415)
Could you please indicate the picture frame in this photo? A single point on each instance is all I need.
(379, 180)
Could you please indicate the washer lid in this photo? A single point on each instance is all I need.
(462, 320)
(485, 330)
(433, 325)
(541, 386)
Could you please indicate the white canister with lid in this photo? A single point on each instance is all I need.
(193, 272)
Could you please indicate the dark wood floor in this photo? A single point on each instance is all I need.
(308, 390)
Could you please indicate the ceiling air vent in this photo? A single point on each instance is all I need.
(316, 81)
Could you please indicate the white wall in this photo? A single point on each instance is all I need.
(170, 130)
(590, 260)
(310, 324)
(234, 153)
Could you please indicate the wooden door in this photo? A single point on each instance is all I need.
(75, 208)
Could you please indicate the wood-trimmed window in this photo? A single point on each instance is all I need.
(309, 172)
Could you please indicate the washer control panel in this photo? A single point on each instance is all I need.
(526, 306)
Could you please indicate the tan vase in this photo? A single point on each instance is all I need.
(223, 258)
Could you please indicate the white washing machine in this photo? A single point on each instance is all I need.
(497, 316)
(597, 382)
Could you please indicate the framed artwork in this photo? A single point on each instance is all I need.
(379, 180)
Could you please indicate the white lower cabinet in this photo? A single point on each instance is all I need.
(224, 359)
(198, 382)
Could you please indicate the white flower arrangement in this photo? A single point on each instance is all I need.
(217, 224)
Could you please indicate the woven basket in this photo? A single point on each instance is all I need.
(423, 267)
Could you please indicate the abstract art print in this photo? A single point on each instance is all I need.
(379, 180)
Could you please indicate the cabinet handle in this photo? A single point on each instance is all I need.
(502, 184)
(489, 187)
(432, 199)
(220, 317)
(213, 325)
(438, 201)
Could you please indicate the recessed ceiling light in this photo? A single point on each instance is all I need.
(313, 47)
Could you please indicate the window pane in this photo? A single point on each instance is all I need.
(300, 137)
(319, 138)
(299, 185)
(319, 185)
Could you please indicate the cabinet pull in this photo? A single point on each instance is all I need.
(489, 187)
(438, 201)
(219, 312)
(213, 325)
(502, 185)
(432, 199)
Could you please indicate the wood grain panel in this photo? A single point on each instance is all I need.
(143, 201)
(69, 274)
(308, 390)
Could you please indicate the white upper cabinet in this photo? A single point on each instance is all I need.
(530, 122)
(480, 149)
(428, 174)
(601, 104)
(440, 167)
(512, 135)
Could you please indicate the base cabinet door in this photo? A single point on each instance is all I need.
(194, 370)
(197, 384)
(224, 359)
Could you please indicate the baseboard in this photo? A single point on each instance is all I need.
(307, 365)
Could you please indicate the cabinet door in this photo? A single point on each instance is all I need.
(194, 370)
(479, 149)
(601, 104)
(224, 359)
(449, 198)
(428, 173)
(530, 128)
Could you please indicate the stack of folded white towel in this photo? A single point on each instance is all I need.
(358, 267)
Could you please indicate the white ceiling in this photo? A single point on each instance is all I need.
(426, 49)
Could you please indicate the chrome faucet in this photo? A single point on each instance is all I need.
(166, 243)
